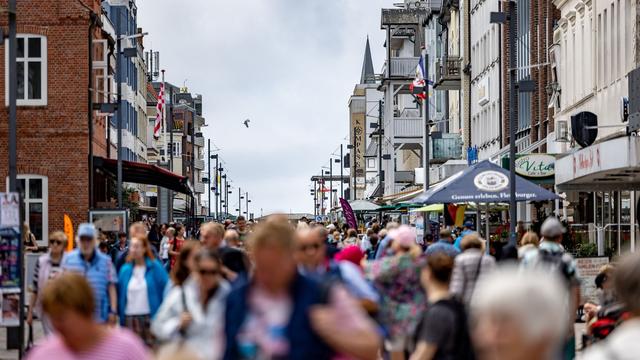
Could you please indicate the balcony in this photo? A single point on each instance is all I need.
(448, 74)
(408, 128)
(405, 176)
(445, 146)
(199, 164)
(403, 68)
(199, 187)
(199, 141)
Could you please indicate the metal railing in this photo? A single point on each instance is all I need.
(403, 67)
(408, 127)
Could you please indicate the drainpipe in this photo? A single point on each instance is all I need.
(94, 20)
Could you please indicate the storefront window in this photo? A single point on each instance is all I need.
(34, 192)
(625, 221)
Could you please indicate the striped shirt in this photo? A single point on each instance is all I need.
(468, 267)
(100, 273)
(119, 344)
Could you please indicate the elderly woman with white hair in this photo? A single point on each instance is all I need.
(519, 314)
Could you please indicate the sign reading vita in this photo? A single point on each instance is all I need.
(535, 165)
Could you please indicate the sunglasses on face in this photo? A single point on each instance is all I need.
(211, 272)
(55, 242)
(306, 247)
(86, 239)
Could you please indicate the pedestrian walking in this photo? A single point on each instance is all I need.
(185, 263)
(467, 229)
(232, 239)
(443, 332)
(68, 301)
(47, 267)
(351, 239)
(234, 261)
(312, 261)
(283, 314)
(397, 279)
(528, 242)
(551, 258)
(141, 286)
(165, 245)
(623, 343)
(469, 267)
(119, 249)
(99, 272)
(28, 239)
(444, 244)
(385, 239)
(176, 244)
(519, 314)
(365, 243)
(193, 313)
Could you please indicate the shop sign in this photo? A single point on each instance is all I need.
(588, 268)
(535, 165)
(586, 161)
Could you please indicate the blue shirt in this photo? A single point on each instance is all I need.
(99, 272)
(459, 238)
(382, 247)
(442, 246)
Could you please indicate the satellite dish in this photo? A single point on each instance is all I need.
(584, 128)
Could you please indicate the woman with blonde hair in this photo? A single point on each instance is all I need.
(47, 268)
(529, 241)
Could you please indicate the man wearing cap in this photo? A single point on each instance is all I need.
(466, 230)
(98, 270)
(552, 257)
(444, 245)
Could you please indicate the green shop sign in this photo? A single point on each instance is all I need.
(539, 168)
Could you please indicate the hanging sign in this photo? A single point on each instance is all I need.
(535, 165)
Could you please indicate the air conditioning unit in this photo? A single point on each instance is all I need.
(562, 131)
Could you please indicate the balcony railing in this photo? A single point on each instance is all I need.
(199, 141)
(199, 187)
(404, 68)
(448, 74)
(405, 176)
(446, 147)
(199, 164)
(408, 127)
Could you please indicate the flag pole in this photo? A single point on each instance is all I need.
(164, 121)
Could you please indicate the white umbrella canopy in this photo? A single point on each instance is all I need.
(363, 205)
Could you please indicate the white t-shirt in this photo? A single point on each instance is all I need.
(137, 296)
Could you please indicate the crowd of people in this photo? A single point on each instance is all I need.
(274, 290)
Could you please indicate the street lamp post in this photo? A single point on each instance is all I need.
(239, 202)
(341, 170)
(330, 184)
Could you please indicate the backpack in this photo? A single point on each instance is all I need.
(463, 345)
(554, 262)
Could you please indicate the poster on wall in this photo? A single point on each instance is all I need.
(10, 307)
(9, 257)
(9, 209)
(109, 221)
(418, 221)
(588, 269)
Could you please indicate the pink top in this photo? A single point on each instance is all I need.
(120, 344)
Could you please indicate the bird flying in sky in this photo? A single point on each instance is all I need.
(246, 123)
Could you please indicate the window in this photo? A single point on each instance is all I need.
(35, 193)
(371, 163)
(31, 58)
(176, 148)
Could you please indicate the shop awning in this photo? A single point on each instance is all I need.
(484, 182)
(141, 173)
(611, 165)
(363, 205)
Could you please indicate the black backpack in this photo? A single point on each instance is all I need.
(463, 345)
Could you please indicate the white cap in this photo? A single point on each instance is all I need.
(552, 227)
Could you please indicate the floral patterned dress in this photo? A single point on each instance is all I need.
(397, 279)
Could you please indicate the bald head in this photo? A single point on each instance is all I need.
(232, 238)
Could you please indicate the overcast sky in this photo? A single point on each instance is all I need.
(288, 65)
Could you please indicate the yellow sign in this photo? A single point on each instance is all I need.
(68, 230)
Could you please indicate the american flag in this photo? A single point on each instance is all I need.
(159, 107)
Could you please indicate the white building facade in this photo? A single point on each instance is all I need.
(485, 79)
(595, 47)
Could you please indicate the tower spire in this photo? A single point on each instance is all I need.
(368, 75)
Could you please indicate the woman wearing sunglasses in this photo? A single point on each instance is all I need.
(194, 312)
(47, 268)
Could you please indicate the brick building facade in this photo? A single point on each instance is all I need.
(535, 22)
(53, 115)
